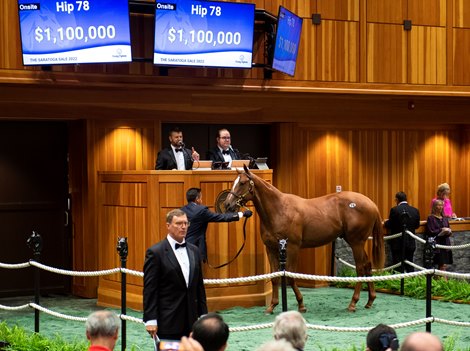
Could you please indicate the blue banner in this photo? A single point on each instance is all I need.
(74, 31)
(204, 33)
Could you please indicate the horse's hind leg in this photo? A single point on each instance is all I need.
(291, 266)
(298, 295)
(370, 285)
(363, 268)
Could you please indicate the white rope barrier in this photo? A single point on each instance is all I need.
(252, 327)
(57, 314)
(14, 266)
(131, 319)
(458, 324)
(75, 273)
(132, 272)
(389, 268)
(13, 308)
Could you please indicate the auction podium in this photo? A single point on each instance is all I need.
(134, 204)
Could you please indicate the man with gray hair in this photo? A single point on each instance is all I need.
(102, 328)
(292, 327)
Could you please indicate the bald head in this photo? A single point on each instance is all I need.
(421, 341)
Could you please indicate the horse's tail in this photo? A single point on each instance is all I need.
(378, 248)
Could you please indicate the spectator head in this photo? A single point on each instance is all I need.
(400, 197)
(381, 338)
(223, 138)
(291, 326)
(193, 194)
(422, 341)
(211, 332)
(443, 190)
(175, 135)
(276, 345)
(174, 213)
(102, 328)
(437, 207)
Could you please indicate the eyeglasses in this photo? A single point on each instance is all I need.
(182, 224)
(226, 138)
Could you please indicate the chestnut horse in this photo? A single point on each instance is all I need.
(311, 223)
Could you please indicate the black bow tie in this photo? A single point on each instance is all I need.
(225, 152)
(178, 150)
(177, 246)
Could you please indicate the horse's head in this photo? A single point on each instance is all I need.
(242, 191)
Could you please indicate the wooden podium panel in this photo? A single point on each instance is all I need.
(134, 204)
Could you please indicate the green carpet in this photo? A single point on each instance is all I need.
(326, 306)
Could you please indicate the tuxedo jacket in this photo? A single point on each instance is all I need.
(166, 296)
(394, 224)
(215, 155)
(199, 216)
(166, 159)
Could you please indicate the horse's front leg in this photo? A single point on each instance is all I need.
(274, 297)
(274, 263)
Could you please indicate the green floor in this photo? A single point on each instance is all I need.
(326, 306)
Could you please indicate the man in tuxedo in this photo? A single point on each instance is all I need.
(402, 214)
(223, 152)
(174, 294)
(176, 156)
(199, 216)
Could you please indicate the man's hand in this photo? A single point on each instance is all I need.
(194, 154)
(247, 214)
(152, 330)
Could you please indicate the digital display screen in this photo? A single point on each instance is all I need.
(286, 48)
(55, 32)
(204, 33)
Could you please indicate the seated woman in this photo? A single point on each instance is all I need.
(437, 226)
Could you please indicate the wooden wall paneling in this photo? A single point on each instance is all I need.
(461, 56)
(125, 145)
(461, 14)
(386, 53)
(386, 11)
(377, 163)
(337, 51)
(346, 10)
(10, 41)
(427, 12)
(428, 55)
(462, 185)
(307, 55)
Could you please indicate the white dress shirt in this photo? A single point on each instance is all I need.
(179, 157)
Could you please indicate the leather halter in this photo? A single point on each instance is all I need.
(241, 198)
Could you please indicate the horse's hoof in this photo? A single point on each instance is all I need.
(369, 305)
(269, 310)
(302, 309)
(352, 309)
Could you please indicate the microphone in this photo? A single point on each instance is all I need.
(235, 151)
(185, 151)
